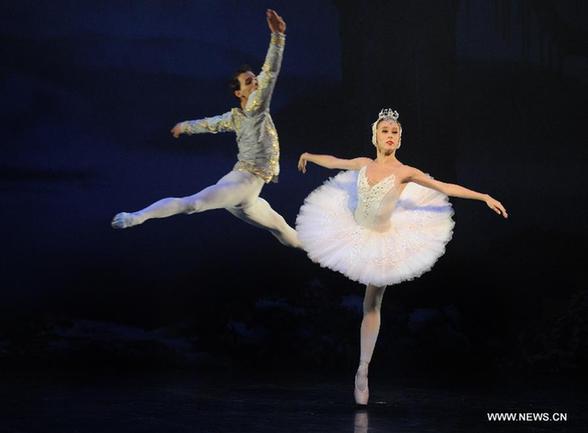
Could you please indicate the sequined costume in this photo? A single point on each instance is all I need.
(257, 139)
(378, 234)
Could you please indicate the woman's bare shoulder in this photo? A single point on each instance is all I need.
(407, 172)
(408, 168)
(363, 160)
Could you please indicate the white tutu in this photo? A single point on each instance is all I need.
(421, 225)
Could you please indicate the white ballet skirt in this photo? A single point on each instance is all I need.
(380, 234)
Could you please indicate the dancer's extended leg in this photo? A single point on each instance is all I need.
(259, 213)
(370, 327)
(231, 190)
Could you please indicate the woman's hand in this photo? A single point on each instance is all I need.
(496, 206)
(177, 130)
(302, 162)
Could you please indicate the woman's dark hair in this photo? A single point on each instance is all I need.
(234, 84)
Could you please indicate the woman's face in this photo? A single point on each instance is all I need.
(387, 136)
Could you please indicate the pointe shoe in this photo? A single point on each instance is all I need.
(123, 220)
(361, 391)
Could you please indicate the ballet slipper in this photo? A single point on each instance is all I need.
(361, 391)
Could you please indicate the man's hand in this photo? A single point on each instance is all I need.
(176, 130)
(275, 22)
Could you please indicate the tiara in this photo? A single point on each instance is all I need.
(388, 113)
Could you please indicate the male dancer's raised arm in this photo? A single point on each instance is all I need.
(254, 93)
(261, 97)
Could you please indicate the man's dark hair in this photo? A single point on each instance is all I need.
(234, 84)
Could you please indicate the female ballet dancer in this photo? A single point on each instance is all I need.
(379, 223)
(258, 158)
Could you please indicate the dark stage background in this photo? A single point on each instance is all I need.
(491, 95)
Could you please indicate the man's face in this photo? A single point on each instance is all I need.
(248, 83)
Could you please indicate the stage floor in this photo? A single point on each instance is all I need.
(188, 404)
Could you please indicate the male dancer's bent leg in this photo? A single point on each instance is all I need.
(259, 213)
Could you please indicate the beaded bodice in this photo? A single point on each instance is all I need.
(375, 203)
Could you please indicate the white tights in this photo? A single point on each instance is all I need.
(237, 192)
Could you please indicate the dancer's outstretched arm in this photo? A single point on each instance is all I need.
(220, 123)
(452, 190)
(260, 99)
(329, 161)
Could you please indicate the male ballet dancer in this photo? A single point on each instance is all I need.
(258, 158)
